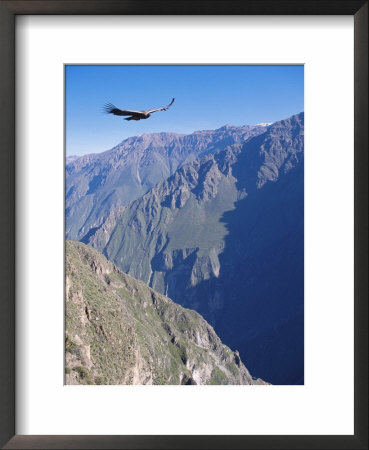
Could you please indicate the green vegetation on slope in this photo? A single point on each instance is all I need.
(120, 331)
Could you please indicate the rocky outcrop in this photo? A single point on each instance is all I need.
(120, 331)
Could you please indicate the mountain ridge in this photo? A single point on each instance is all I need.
(95, 183)
(72, 158)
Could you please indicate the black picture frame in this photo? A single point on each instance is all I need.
(8, 11)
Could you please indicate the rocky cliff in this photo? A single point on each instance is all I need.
(119, 331)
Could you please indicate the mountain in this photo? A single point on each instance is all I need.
(97, 183)
(224, 235)
(119, 331)
(70, 158)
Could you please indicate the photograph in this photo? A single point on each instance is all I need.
(184, 224)
(162, 228)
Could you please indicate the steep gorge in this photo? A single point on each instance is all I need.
(224, 235)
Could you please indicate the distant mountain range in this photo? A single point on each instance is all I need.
(214, 220)
(71, 158)
(96, 183)
(119, 331)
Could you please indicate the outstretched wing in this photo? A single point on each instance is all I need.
(111, 109)
(164, 108)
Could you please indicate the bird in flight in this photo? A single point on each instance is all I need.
(134, 115)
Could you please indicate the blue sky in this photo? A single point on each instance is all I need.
(206, 97)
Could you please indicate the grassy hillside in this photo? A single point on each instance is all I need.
(120, 331)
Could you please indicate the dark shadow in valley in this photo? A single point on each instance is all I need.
(256, 304)
(262, 278)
